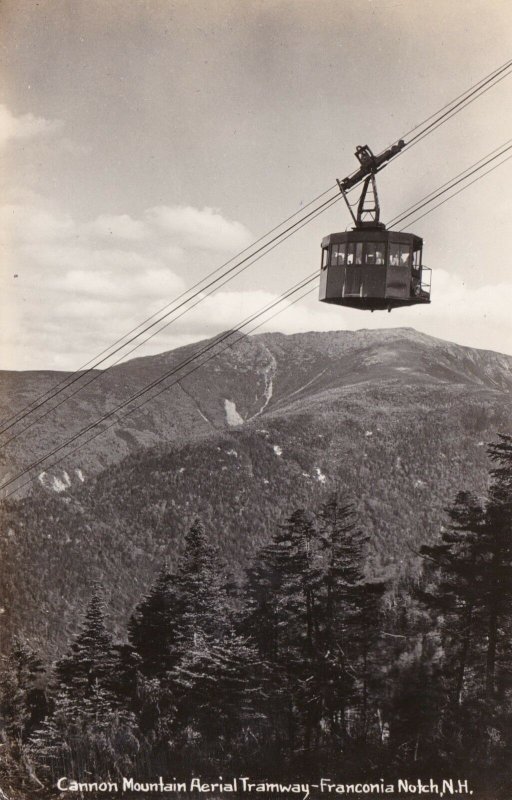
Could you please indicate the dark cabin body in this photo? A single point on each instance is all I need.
(373, 268)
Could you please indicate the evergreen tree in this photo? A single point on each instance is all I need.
(23, 702)
(183, 613)
(496, 548)
(89, 730)
(91, 661)
(221, 685)
(152, 628)
(23, 706)
(203, 600)
(283, 617)
(471, 573)
(179, 607)
(352, 620)
(417, 698)
(456, 565)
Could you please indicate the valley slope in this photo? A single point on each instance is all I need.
(394, 420)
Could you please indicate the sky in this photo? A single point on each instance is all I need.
(144, 143)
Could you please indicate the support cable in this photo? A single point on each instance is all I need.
(460, 102)
(468, 97)
(460, 190)
(81, 371)
(494, 73)
(414, 205)
(157, 382)
(212, 345)
(98, 375)
(452, 185)
(79, 375)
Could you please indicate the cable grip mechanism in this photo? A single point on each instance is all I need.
(368, 209)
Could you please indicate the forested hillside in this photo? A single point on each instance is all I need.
(398, 424)
(310, 668)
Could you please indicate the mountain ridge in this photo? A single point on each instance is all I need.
(263, 374)
(395, 422)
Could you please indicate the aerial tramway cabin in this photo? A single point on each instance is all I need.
(373, 268)
(370, 267)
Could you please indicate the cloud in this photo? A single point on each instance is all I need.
(139, 285)
(26, 126)
(475, 316)
(471, 316)
(205, 228)
(91, 260)
(119, 226)
(82, 284)
(27, 223)
(85, 309)
(72, 287)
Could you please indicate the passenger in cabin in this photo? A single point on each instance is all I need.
(393, 255)
(416, 290)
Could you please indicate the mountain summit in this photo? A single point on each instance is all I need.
(219, 384)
